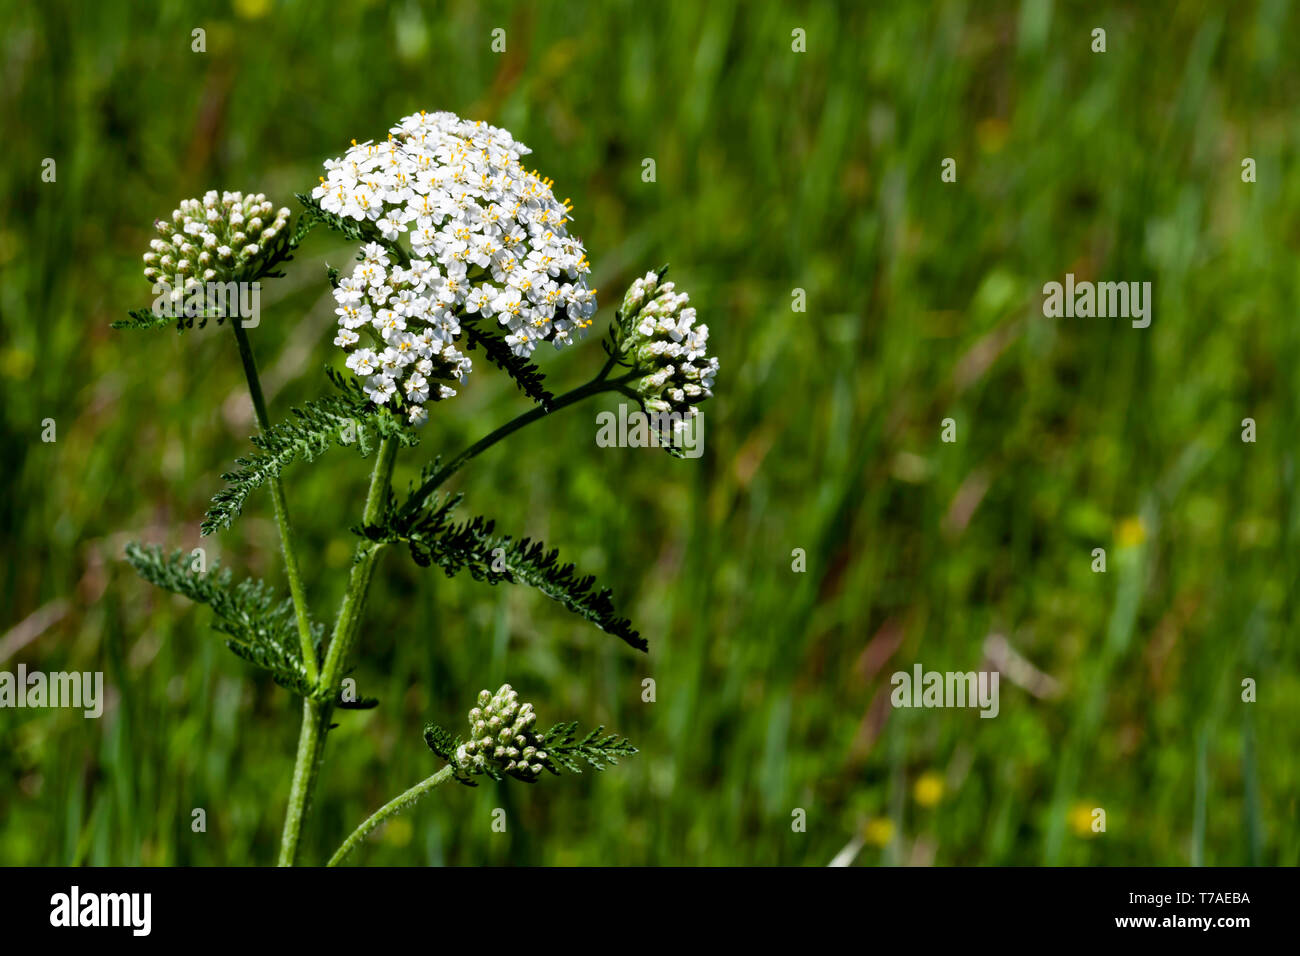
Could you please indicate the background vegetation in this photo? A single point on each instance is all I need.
(775, 171)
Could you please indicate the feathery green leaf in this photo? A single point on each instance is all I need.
(314, 213)
(346, 419)
(258, 627)
(441, 742)
(472, 546)
(147, 319)
(357, 231)
(527, 376)
(562, 747)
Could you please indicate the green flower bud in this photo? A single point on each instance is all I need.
(232, 224)
(502, 741)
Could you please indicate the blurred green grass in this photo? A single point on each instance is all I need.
(775, 171)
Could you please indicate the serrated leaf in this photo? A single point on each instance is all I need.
(345, 419)
(146, 319)
(361, 703)
(473, 546)
(441, 742)
(314, 213)
(352, 229)
(564, 749)
(259, 628)
(527, 377)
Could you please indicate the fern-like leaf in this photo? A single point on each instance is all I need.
(346, 419)
(258, 626)
(314, 213)
(564, 749)
(348, 228)
(147, 319)
(441, 742)
(315, 428)
(361, 703)
(527, 376)
(473, 546)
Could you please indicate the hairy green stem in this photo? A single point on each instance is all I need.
(311, 744)
(317, 713)
(363, 569)
(281, 507)
(396, 805)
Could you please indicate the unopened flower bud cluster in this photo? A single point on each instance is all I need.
(220, 237)
(660, 338)
(501, 737)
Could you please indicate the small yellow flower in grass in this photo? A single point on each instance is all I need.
(879, 832)
(252, 9)
(16, 364)
(1131, 532)
(928, 789)
(1081, 820)
(991, 134)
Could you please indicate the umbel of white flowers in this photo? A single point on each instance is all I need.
(219, 237)
(488, 239)
(658, 336)
(501, 737)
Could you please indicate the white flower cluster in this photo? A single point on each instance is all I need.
(487, 238)
(403, 314)
(220, 237)
(660, 338)
(501, 738)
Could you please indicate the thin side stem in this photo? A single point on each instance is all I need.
(281, 507)
(317, 712)
(396, 805)
(597, 385)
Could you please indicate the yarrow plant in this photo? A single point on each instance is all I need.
(459, 248)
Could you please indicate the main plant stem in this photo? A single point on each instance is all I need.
(280, 505)
(396, 805)
(316, 713)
